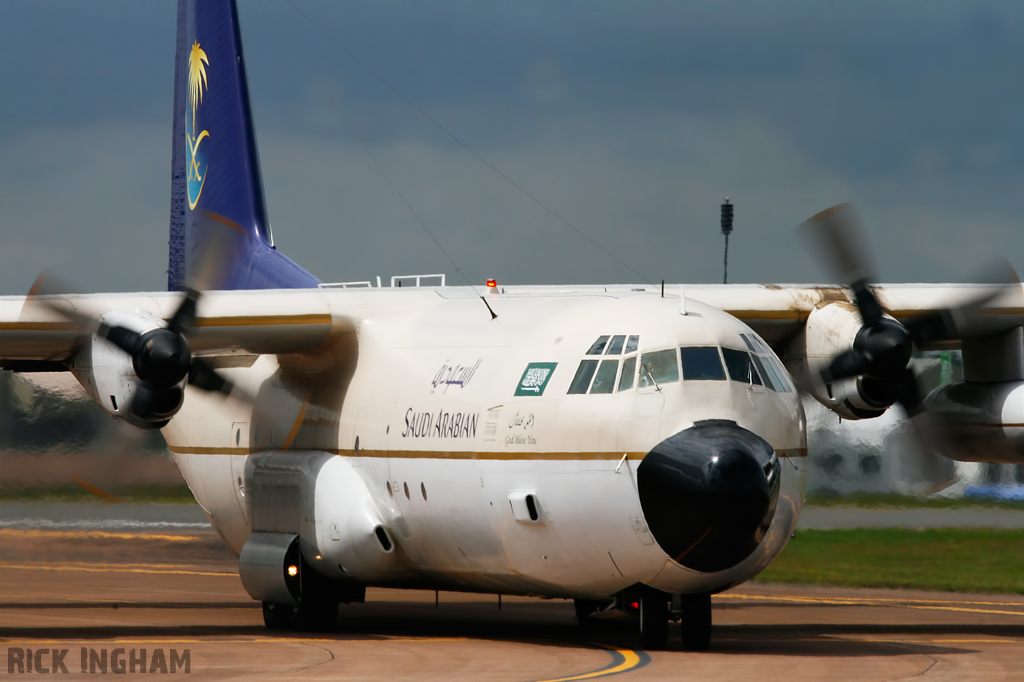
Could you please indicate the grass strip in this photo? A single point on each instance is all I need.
(897, 501)
(944, 559)
(71, 492)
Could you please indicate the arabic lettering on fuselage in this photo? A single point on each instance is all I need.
(454, 375)
(522, 421)
(440, 424)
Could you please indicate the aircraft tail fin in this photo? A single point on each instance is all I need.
(216, 184)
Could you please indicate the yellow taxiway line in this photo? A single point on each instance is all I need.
(113, 568)
(622, 660)
(94, 534)
(925, 604)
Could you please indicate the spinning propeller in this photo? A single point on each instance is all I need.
(883, 347)
(161, 357)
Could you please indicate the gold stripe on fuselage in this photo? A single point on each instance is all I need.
(263, 320)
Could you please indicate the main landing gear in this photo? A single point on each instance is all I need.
(318, 599)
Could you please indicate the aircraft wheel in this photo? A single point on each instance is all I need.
(313, 615)
(654, 620)
(275, 616)
(696, 621)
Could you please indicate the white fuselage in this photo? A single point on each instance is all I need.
(416, 395)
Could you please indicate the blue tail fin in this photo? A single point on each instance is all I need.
(215, 168)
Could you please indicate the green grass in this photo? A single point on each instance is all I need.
(896, 501)
(943, 559)
(71, 492)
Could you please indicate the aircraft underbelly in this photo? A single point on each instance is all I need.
(588, 537)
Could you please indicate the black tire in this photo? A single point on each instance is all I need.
(275, 616)
(654, 621)
(313, 615)
(696, 622)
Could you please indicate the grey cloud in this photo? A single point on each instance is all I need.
(631, 120)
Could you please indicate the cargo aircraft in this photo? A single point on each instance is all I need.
(634, 448)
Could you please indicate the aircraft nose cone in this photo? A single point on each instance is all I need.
(709, 494)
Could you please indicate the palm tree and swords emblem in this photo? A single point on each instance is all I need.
(196, 168)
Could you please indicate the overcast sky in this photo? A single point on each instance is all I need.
(632, 120)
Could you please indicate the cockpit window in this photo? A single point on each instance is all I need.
(604, 382)
(701, 363)
(584, 373)
(740, 367)
(615, 347)
(632, 344)
(628, 372)
(764, 372)
(598, 346)
(775, 375)
(658, 368)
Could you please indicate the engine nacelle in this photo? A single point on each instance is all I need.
(978, 421)
(109, 377)
(829, 331)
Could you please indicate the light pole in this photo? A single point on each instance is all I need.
(726, 230)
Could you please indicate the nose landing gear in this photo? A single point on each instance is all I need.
(652, 610)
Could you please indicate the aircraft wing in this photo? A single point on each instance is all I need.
(778, 312)
(235, 322)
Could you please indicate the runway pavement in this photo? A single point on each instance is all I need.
(176, 588)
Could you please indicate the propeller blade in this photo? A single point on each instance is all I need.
(842, 240)
(184, 317)
(908, 393)
(204, 377)
(125, 339)
(849, 363)
(968, 318)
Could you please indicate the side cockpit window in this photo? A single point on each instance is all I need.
(584, 373)
(775, 375)
(628, 373)
(596, 376)
(702, 363)
(598, 347)
(741, 367)
(658, 368)
(604, 382)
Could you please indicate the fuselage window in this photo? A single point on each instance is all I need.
(628, 371)
(658, 368)
(740, 367)
(632, 344)
(598, 346)
(584, 373)
(604, 382)
(702, 363)
(615, 347)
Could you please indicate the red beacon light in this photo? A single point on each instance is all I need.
(492, 284)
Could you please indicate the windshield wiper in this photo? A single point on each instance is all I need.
(651, 376)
